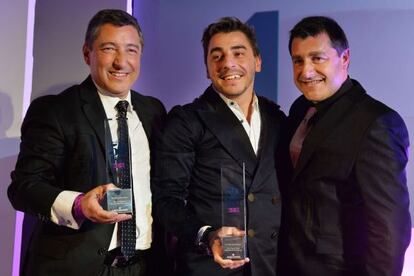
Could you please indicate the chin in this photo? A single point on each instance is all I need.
(117, 92)
(231, 93)
(313, 97)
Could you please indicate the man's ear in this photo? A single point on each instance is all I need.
(86, 51)
(345, 57)
(207, 74)
(258, 65)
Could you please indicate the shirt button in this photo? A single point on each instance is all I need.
(251, 233)
(250, 197)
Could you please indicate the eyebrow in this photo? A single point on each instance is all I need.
(220, 49)
(313, 53)
(317, 53)
(296, 56)
(237, 47)
(103, 44)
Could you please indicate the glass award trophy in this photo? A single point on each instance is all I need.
(118, 167)
(233, 211)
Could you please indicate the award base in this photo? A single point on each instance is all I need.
(233, 248)
(118, 200)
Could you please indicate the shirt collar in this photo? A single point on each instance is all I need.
(233, 104)
(109, 102)
(325, 104)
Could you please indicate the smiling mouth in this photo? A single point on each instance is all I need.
(312, 82)
(231, 77)
(118, 74)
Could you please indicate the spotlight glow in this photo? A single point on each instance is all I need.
(409, 258)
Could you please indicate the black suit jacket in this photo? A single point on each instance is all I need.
(199, 138)
(348, 205)
(63, 148)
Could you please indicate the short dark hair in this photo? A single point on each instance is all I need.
(227, 25)
(115, 17)
(315, 25)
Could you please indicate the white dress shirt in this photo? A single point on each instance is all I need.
(253, 129)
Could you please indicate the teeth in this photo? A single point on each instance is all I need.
(312, 81)
(232, 77)
(118, 74)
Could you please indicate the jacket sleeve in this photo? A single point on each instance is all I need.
(175, 157)
(33, 188)
(380, 172)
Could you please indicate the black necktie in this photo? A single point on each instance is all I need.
(127, 228)
(299, 136)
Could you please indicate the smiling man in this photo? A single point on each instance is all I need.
(62, 171)
(229, 125)
(347, 206)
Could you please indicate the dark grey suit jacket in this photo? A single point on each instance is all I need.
(62, 148)
(199, 138)
(348, 206)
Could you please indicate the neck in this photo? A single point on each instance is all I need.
(246, 106)
(121, 96)
(244, 101)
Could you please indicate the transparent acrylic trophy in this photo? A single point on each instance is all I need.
(117, 200)
(233, 189)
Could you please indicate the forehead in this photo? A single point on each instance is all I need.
(318, 43)
(223, 41)
(112, 33)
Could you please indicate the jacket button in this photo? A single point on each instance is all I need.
(275, 200)
(250, 197)
(101, 251)
(251, 233)
(274, 235)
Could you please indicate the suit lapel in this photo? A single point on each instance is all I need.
(325, 125)
(221, 121)
(264, 143)
(95, 112)
(271, 121)
(143, 112)
(93, 109)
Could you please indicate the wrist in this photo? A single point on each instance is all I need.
(77, 211)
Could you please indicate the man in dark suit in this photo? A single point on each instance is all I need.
(62, 171)
(347, 206)
(228, 126)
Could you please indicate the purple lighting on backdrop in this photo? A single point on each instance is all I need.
(26, 101)
(17, 243)
(129, 6)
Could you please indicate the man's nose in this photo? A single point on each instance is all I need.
(229, 61)
(308, 69)
(120, 60)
